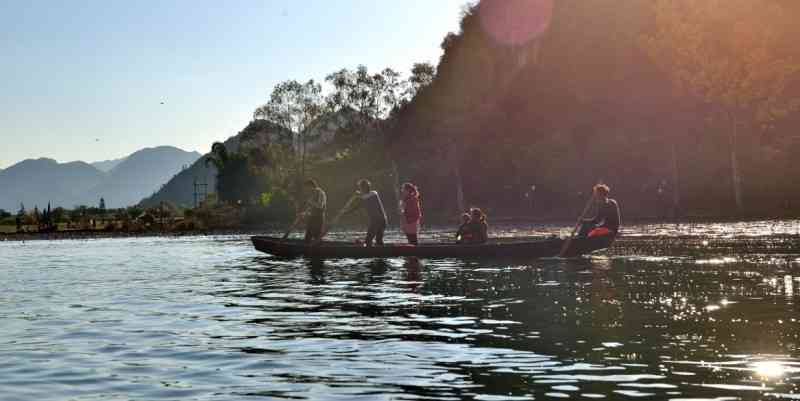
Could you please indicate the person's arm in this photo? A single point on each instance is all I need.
(484, 233)
(460, 232)
(356, 203)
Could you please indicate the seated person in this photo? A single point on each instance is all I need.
(477, 230)
(462, 234)
(606, 223)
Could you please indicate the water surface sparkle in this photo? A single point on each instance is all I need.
(204, 318)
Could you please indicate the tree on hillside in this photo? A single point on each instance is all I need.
(369, 104)
(729, 54)
(297, 107)
(422, 74)
(369, 99)
(236, 182)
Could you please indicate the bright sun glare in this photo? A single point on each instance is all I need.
(769, 369)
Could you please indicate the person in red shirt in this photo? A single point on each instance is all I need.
(607, 221)
(411, 211)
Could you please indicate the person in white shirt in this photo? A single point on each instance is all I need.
(315, 211)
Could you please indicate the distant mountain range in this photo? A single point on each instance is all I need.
(108, 165)
(122, 182)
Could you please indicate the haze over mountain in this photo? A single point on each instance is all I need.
(142, 173)
(180, 189)
(108, 165)
(35, 182)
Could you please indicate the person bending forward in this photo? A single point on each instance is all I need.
(370, 201)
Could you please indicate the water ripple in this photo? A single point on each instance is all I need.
(207, 318)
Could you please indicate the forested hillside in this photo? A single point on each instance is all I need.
(639, 94)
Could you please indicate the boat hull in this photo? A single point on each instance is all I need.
(543, 248)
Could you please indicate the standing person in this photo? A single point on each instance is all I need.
(315, 211)
(606, 222)
(412, 213)
(371, 202)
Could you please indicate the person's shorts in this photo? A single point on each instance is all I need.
(599, 232)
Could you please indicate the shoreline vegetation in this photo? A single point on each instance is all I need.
(546, 226)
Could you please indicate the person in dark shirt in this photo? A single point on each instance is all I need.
(370, 201)
(477, 230)
(607, 221)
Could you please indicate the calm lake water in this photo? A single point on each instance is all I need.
(673, 313)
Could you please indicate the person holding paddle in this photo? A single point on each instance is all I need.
(606, 222)
(314, 213)
(371, 202)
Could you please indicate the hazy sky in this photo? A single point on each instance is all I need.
(83, 80)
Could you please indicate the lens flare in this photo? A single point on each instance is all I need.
(515, 22)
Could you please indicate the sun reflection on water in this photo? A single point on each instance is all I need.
(769, 369)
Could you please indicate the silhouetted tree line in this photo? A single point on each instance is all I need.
(683, 107)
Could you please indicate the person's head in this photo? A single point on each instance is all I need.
(364, 185)
(311, 184)
(465, 218)
(601, 191)
(476, 214)
(409, 188)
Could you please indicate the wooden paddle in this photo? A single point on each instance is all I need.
(294, 225)
(568, 242)
(339, 215)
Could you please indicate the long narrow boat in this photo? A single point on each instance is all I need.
(542, 248)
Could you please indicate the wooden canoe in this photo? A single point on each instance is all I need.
(541, 248)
